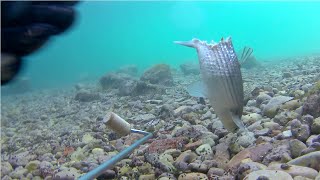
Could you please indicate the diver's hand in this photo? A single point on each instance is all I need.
(26, 26)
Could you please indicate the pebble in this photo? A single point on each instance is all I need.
(246, 139)
(301, 178)
(247, 166)
(198, 167)
(6, 168)
(67, 174)
(291, 105)
(147, 177)
(294, 170)
(309, 160)
(255, 126)
(262, 97)
(271, 109)
(296, 147)
(193, 176)
(204, 150)
(300, 131)
(268, 175)
(271, 125)
(286, 134)
(182, 109)
(262, 132)
(19, 173)
(307, 119)
(21, 159)
(256, 153)
(207, 115)
(315, 127)
(215, 172)
(251, 118)
(33, 165)
(181, 163)
(311, 139)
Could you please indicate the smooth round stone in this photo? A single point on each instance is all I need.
(6, 168)
(291, 105)
(204, 149)
(271, 125)
(294, 170)
(296, 147)
(311, 139)
(262, 132)
(251, 118)
(268, 174)
(315, 127)
(309, 160)
(246, 139)
(188, 176)
(97, 151)
(262, 97)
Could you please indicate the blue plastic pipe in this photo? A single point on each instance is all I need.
(104, 166)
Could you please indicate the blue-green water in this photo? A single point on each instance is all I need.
(108, 35)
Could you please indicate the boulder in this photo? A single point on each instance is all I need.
(158, 74)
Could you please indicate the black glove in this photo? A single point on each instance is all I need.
(26, 26)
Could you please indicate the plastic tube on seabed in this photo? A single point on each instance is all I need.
(117, 124)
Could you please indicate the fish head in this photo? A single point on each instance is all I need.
(193, 43)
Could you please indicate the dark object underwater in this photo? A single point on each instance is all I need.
(26, 26)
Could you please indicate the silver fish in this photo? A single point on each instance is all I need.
(222, 80)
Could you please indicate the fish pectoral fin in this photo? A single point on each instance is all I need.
(197, 89)
(237, 120)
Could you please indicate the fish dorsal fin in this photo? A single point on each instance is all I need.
(246, 53)
(197, 89)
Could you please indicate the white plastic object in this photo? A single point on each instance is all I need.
(117, 124)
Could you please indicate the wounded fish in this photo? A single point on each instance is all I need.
(221, 80)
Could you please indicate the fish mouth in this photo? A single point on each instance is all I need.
(185, 43)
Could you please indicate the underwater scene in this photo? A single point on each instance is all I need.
(166, 90)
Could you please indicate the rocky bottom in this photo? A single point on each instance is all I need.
(59, 134)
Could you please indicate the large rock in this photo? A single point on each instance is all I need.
(256, 153)
(87, 96)
(131, 70)
(312, 105)
(127, 85)
(143, 88)
(114, 80)
(159, 74)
